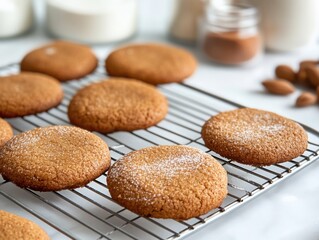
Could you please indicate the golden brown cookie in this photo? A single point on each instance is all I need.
(117, 104)
(16, 227)
(5, 132)
(28, 93)
(54, 158)
(254, 137)
(61, 60)
(177, 182)
(151, 63)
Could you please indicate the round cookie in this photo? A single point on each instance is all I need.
(54, 158)
(61, 60)
(177, 182)
(117, 105)
(16, 227)
(5, 132)
(28, 93)
(151, 63)
(254, 137)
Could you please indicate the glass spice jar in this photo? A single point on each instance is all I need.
(229, 34)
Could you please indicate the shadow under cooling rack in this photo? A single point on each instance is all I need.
(90, 213)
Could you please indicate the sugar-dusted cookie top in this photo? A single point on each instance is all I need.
(177, 182)
(54, 158)
(254, 137)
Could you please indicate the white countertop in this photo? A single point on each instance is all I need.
(288, 211)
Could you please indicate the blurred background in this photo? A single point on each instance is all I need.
(248, 26)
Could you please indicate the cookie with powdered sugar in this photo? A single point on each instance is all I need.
(54, 158)
(254, 137)
(177, 182)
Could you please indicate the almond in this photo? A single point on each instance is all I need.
(280, 86)
(302, 77)
(313, 75)
(306, 63)
(317, 92)
(306, 99)
(285, 72)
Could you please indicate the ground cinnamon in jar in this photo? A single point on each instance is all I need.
(231, 47)
(229, 33)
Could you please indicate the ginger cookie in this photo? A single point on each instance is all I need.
(254, 137)
(151, 63)
(61, 60)
(28, 93)
(5, 132)
(117, 104)
(54, 158)
(177, 182)
(16, 227)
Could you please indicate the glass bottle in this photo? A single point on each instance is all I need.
(288, 25)
(16, 17)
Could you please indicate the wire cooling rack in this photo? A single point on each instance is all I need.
(90, 213)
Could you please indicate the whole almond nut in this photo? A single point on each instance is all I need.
(302, 77)
(280, 86)
(306, 63)
(313, 75)
(306, 99)
(285, 72)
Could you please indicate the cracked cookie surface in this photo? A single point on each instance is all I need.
(177, 182)
(151, 62)
(254, 137)
(117, 104)
(54, 158)
(15, 227)
(28, 93)
(5, 132)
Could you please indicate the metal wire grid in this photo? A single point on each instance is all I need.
(90, 213)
